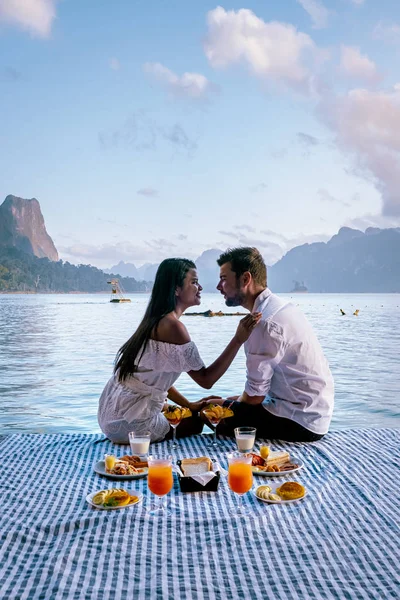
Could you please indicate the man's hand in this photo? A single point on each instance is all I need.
(197, 406)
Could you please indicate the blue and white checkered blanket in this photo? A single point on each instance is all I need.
(341, 541)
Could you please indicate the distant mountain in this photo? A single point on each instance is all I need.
(206, 264)
(208, 270)
(351, 261)
(146, 272)
(22, 227)
(124, 269)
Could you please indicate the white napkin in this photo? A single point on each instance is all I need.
(204, 478)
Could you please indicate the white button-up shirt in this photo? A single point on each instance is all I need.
(285, 363)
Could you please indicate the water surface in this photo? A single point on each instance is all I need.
(57, 352)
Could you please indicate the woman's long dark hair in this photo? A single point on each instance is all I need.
(170, 274)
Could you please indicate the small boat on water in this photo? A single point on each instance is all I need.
(117, 292)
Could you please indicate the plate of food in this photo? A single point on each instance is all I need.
(126, 467)
(285, 493)
(270, 463)
(113, 499)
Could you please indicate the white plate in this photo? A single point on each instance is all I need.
(100, 468)
(273, 487)
(294, 460)
(89, 500)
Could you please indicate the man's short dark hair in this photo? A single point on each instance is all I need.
(246, 259)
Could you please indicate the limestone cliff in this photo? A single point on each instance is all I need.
(22, 226)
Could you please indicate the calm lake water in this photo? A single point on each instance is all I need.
(57, 352)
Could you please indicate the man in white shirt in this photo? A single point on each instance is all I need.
(289, 391)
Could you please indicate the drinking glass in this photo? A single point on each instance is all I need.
(240, 476)
(160, 481)
(214, 422)
(245, 438)
(139, 443)
(174, 424)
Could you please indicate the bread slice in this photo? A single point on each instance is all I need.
(277, 457)
(196, 466)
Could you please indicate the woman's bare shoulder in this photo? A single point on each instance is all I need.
(172, 331)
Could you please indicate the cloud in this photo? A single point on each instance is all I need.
(387, 31)
(317, 11)
(106, 254)
(10, 75)
(278, 154)
(189, 85)
(370, 220)
(149, 192)
(367, 124)
(248, 228)
(307, 140)
(141, 133)
(35, 16)
(325, 196)
(355, 65)
(114, 64)
(271, 51)
(259, 187)
(161, 245)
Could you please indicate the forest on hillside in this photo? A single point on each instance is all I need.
(21, 272)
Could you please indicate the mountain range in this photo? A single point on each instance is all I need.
(351, 261)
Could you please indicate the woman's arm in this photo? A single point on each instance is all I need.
(207, 376)
(177, 397)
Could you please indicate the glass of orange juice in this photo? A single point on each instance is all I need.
(160, 481)
(240, 475)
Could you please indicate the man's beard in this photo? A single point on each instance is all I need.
(235, 300)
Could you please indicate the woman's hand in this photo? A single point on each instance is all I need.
(197, 406)
(246, 326)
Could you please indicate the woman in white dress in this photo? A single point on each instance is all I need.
(149, 363)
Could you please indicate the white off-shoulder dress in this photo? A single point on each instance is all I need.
(137, 402)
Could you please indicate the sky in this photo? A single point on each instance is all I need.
(154, 128)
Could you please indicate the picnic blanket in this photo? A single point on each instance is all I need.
(341, 541)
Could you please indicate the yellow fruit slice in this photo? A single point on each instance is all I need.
(264, 451)
(228, 413)
(99, 497)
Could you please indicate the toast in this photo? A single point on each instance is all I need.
(195, 466)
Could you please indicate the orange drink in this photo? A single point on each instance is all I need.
(160, 480)
(240, 477)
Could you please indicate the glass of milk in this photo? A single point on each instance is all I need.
(245, 438)
(139, 442)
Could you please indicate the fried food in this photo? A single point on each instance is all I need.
(272, 469)
(124, 468)
(291, 490)
(134, 461)
(114, 497)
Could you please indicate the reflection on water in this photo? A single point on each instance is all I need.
(57, 352)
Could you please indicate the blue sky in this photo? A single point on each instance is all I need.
(162, 128)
